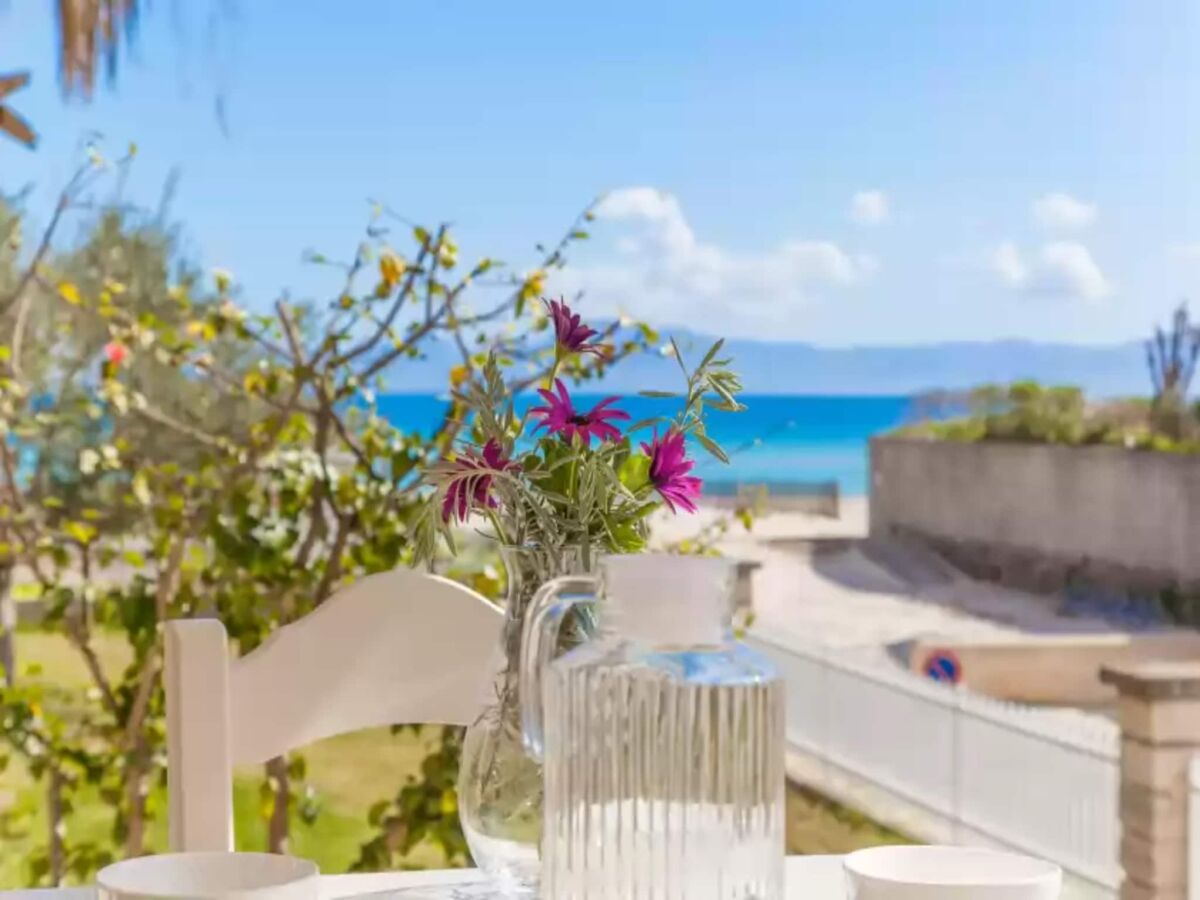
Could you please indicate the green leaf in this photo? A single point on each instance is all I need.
(642, 423)
(81, 532)
(723, 405)
(712, 352)
(297, 768)
(679, 359)
(635, 472)
(712, 446)
(626, 538)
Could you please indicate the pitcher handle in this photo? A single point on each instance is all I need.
(543, 621)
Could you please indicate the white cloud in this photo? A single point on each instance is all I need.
(657, 268)
(1057, 269)
(1058, 211)
(1008, 264)
(869, 208)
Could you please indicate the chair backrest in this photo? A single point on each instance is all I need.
(397, 647)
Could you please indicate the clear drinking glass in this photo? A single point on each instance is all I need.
(661, 739)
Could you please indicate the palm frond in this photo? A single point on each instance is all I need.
(91, 34)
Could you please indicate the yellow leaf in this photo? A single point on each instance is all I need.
(391, 268)
(141, 489)
(534, 285)
(80, 531)
(203, 330)
(459, 374)
(69, 292)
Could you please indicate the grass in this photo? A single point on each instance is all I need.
(350, 773)
(816, 824)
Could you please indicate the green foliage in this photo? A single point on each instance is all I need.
(1028, 412)
(424, 809)
(166, 451)
(561, 490)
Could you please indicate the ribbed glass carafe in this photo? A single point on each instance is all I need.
(663, 745)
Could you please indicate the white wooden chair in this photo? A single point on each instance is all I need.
(396, 647)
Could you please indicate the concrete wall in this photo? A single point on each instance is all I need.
(1033, 513)
(1062, 670)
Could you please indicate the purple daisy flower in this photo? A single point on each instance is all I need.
(560, 417)
(569, 331)
(669, 467)
(470, 481)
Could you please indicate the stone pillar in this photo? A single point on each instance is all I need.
(1159, 715)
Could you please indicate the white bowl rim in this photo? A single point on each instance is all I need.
(861, 864)
(287, 871)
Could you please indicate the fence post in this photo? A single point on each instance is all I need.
(956, 764)
(1159, 716)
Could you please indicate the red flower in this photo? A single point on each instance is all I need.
(470, 482)
(669, 467)
(115, 352)
(569, 332)
(560, 416)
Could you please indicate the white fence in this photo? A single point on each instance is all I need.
(942, 764)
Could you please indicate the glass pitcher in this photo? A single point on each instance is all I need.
(662, 738)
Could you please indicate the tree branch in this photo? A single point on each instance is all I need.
(168, 584)
(367, 344)
(64, 203)
(333, 568)
(92, 661)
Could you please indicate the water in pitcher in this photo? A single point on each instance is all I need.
(663, 754)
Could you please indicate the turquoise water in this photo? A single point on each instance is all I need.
(785, 439)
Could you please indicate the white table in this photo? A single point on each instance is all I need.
(808, 878)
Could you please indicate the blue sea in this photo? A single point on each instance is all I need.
(780, 439)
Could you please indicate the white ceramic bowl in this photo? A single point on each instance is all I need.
(209, 876)
(949, 873)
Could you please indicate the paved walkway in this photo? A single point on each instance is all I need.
(820, 579)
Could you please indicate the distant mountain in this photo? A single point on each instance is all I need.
(794, 368)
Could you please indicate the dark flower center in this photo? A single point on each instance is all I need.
(579, 419)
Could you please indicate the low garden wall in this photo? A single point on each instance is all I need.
(1037, 515)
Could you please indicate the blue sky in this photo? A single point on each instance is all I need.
(836, 172)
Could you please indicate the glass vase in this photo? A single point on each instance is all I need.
(500, 782)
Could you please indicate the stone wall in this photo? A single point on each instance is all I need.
(1036, 515)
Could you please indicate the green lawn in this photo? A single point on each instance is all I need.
(815, 824)
(350, 773)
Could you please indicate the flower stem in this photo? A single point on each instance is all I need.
(495, 520)
(553, 373)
